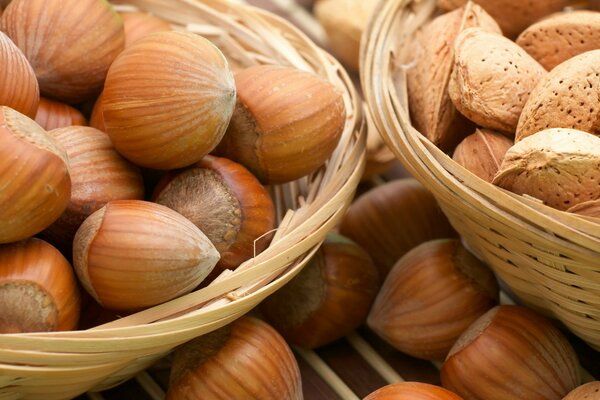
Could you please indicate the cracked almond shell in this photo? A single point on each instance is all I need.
(561, 167)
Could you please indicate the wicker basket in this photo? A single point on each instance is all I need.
(550, 259)
(62, 365)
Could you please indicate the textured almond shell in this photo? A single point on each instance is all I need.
(492, 79)
(412, 391)
(98, 175)
(562, 36)
(286, 124)
(35, 185)
(245, 360)
(183, 114)
(589, 391)
(19, 88)
(561, 167)
(53, 115)
(69, 43)
(34, 263)
(513, 16)
(511, 353)
(567, 97)
(587, 208)
(432, 53)
(482, 153)
(133, 254)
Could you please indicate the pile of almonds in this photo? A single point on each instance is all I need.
(166, 187)
(520, 114)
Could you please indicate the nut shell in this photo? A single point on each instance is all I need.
(139, 24)
(53, 115)
(589, 391)
(210, 366)
(183, 115)
(561, 167)
(132, 254)
(511, 353)
(38, 289)
(432, 53)
(482, 153)
(98, 175)
(430, 297)
(562, 36)
(35, 185)
(513, 16)
(227, 203)
(565, 98)
(18, 84)
(69, 43)
(286, 122)
(393, 218)
(412, 391)
(491, 79)
(328, 299)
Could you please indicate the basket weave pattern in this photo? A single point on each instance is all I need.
(550, 259)
(61, 365)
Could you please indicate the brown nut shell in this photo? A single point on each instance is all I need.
(97, 117)
(19, 88)
(412, 391)
(244, 360)
(511, 353)
(183, 115)
(561, 36)
(98, 175)
(432, 53)
(328, 299)
(513, 16)
(226, 202)
(482, 153)
(565, 98)
(587, 208)
(139, 24)
(391, 219)
(69, 43)
(53, 115)
(286, 122)
(35, 185)
(491, 79)
(132, 254)
(430, 297)
(561, 167)
(38, 289)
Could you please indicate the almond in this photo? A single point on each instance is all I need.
(561, 36)
(588, 208)
(482, 152)
(513, 16)
(432, 111)
(561, 167)
(567, 97)
(492, 79)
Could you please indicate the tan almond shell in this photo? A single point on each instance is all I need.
(513, 16)
(587, 208)
(482, 153)
(559, 166)
(567, 97)
(561, 36)
(492, 79)
(432, 111)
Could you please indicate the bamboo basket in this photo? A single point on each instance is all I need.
(62, 365)
(550, 259)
